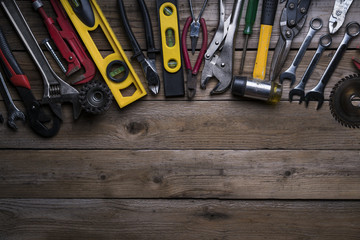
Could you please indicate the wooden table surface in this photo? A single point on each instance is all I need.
(217, 167)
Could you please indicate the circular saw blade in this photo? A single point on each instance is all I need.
(345, 101)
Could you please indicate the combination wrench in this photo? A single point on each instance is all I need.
(324, 42)
(290, 74)
(13, 112)
(317, 93)
(56, 90)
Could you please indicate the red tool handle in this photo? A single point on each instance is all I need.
(12, 68)
(203, 47)
(197, 66)
(183, 43)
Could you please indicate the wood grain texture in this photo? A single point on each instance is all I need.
(172, 219)
(180, 174)
(217, 167)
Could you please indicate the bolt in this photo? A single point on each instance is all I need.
(46, 42)
(338, 12)
(288, 33)
(291, 5)
(303, 10)
(292, 22)
(222, 65)
(217, 43)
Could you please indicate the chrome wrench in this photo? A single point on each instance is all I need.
(315, 25)
(324, 42)
(317, 93)
(56, 91)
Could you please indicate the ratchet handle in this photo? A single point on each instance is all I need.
(11, 66)
(268, 12)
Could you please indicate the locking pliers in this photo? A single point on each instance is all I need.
(220, 65)
(337, 17)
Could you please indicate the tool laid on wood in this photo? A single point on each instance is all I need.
(147, 63)
(56, 91)
(338, 15)
(292, 20)
(13, 112)
(250, 17)
(317, 93)
(35, 115)
(196, 24)
(115, 68)
(345, 101)
(219, 58)
(170, 48)
(64, 37)
(290, 74)
(257, 88)
(356, 60)
(299, 90)
(193, 72)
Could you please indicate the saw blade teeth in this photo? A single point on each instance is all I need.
(339, 101)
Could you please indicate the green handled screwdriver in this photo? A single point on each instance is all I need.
(249, 22)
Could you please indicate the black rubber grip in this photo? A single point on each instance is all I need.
(138, 54)
(4, 46)
(84, 12)
(150, 44)
(268, 13)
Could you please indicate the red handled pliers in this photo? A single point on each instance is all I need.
(356, 61)
(192, 72)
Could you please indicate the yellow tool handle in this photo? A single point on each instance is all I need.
(262, 54)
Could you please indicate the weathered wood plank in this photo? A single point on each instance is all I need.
(345, 68)
(194, 125)
(152, 219)
(180, 174)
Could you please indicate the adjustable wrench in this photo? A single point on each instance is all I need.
(290, 73)
(324, 42)
(56, 91)
(317, 93)
(13, 112)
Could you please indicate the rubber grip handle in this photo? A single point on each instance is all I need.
(262, 52)
(269, 12)
(11, 66)
(183, 43)
(149, 35)
(250, 16)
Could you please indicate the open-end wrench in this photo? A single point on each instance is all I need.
(56, 91)
(317, 93)
(13, 112)
(315, 25)
(324, 42)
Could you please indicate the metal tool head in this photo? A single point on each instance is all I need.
(338, 15)
(152, 77)
(316, 97)
(297, 92)
(14, 116)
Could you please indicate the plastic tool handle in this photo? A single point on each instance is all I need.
(12, 68)
(150, 44)
(250, 16)
(267, 22)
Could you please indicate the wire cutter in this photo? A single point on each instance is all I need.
(192, 72)
(337, 17)
(292, 20)
(195, 25)
(219, 57)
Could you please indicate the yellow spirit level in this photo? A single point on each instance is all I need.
(115, 68)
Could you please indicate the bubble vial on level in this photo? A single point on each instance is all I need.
(168, 11)
(172, 64)
(117, 71)
(170, 37)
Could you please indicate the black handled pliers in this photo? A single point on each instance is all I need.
(292, 20)
(147, 63)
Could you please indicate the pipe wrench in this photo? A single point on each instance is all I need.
(338, 15)
(64, 37)
(220, 65)
(56, 90)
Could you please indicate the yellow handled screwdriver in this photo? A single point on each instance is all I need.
(249, 23)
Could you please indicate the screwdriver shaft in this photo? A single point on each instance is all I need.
(244, 53)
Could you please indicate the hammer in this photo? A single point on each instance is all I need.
(257, 88)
